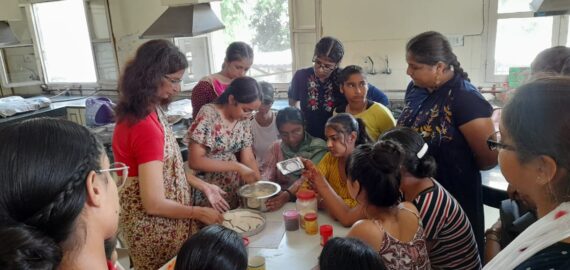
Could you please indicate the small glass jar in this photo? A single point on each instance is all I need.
(311, 224)
(306, 202)
(326, 233)
(291, 220)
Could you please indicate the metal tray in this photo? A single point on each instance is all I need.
(249, 232)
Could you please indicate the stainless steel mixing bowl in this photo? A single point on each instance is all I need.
(254, 196)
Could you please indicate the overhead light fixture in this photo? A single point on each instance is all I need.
(184, 21)
(550, 7)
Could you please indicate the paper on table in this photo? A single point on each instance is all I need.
(270, 237)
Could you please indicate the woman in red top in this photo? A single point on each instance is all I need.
(239, 58)
(157, 215)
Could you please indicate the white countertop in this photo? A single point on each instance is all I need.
(297, 250)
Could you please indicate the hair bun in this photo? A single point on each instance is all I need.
(387, 156)
(25, 248)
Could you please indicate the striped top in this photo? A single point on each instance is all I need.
(447, 230)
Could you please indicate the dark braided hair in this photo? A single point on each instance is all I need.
(44, 166)
(377, 169)
(331, 48)
(432, 47)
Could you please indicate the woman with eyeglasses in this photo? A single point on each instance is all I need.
(454, 120)
(58, 199)
(533, 147)
(354, 86)
(263, 126)
(221, 131)
(316, 88)
(293, 142)
(238, 60)
(157, 213)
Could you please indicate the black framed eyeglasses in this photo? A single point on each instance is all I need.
(326, 67)
(173, 81)
(494, 142)
(119, 172)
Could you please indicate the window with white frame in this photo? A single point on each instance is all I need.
(19, 64)
(516, 36)
(65, 47)
(69, 44)
(263, 24)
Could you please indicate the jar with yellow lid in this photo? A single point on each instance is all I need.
(311, 224)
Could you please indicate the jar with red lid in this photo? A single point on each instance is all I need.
(326, 233)
(306, 203)
(311, 224)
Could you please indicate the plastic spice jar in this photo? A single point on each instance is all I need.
(326, 233)
(311, 224)
(306, 202)
(291, 219)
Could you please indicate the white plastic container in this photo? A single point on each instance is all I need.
(306, 203)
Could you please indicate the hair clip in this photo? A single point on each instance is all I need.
(422, 151)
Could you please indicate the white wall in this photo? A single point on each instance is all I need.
(366, 27)
(129, 19)
(382, 27)
(373, 28)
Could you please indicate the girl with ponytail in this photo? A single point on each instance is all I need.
(453, 118)
(343, 133)
(390, 227)
(450, 240)
(220, 134)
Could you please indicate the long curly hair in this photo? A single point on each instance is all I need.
(143, 76)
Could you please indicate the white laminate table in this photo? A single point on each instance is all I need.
(297, 250)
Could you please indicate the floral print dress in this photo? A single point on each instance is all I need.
(154, 240)
(222, 143)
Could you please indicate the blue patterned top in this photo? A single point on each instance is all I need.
(438, 116)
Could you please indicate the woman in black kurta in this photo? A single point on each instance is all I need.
(454, 120)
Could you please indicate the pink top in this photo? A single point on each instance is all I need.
(206, 91)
